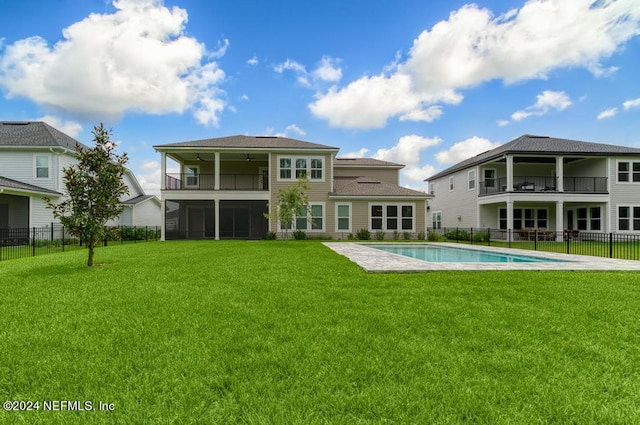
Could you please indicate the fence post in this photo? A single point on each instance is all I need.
(489, 236)
(471, 235)
(62, 238)
(610, 245)
(146, 234)
(568, 233)
(33, 240)
(121, 234)
(535, 239)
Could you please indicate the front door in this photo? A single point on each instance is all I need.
(570, 219)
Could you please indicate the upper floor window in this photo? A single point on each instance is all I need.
(628, 171)
(285, 168)
(191, 175)
(42, 166)
(489, 177)
(472, 179)
(451, 180)
(295, 167)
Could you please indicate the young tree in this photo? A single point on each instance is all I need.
(94, 187)
(292, 201)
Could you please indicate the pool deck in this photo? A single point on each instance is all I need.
(375, 260)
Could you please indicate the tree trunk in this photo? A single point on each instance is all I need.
(90, 245)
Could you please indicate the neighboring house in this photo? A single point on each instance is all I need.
(544, 183)
(32, 158)
(226, 185)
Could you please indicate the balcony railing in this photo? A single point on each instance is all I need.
(208, 182)
(544, 184)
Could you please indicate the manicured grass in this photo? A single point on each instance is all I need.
(275, 332)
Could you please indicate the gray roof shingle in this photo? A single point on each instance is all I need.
(540, 145)
(367, 186)
(36, 134)
(137, 199)
(248, 142)
(18, 185)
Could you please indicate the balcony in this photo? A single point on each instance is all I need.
(208, 182)
(543, 184)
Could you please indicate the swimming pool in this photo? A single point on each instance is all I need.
(447, 254)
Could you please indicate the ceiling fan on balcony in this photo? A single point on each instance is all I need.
(250, 158)
(198, 158)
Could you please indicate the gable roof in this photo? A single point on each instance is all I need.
(364, 162)
(370, 187)
(34, 134)
(540, 145)
(25, 187)
(247, 142)
(139, 199)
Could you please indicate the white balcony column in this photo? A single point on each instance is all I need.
(510, 217)
(560, 174)
(217, 216)
(510, 175)
(216, 184)
(163, 171)
(163, 212)
(559, 220)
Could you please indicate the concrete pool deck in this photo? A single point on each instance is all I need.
(375, 260)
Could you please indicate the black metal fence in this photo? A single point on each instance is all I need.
(599, 244)
(29, 242)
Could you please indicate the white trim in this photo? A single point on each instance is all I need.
(433, 214)
(337, 217)
(398, 217)
(49, 166)
(631, 218)
(475, 179)
(630, 162)
(308, 169)
(309, 228)
(187, 176)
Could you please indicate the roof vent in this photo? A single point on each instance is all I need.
(266, 137)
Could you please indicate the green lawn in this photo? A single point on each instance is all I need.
(290, 332)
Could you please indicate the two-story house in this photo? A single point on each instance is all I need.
(536, 182)
(32, 158)
(226, 185)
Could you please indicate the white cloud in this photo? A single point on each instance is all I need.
(328, 70)
(407, 150)
(357, 154)
(473, 46)
(465, 149)
(297, 68)
(70, 128)
(291, 129)
(426, 115)
(418, 174)
(138, 58)
(149, 175)
(546, 101)
(253, 61)
(608, 113)
(503, 123)
(631, 103)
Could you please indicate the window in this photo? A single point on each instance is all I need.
(392, 217)
(582, 218)
(316, 169)
(291, 168)
(301, 167)
(285, 168)
(310, 218)
(524, 218)
(628, 171)
(407, 217)
(629, 218)
(472, 179)
(451, 183)
(489, 178)
(343, 217)
(436, 218)
(595, 218)
(191, 175)
(42, 166)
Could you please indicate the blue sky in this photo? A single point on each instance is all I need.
(425, 84)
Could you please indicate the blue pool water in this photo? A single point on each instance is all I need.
(445, 254)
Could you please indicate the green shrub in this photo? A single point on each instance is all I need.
(422, 235)
(299, 235)
(481, 237)
(363, 235)
(406, 236)
(396, 235)
(271, 236)
(380, 235)
(434, 237)
(351, 237)
(458, 235)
